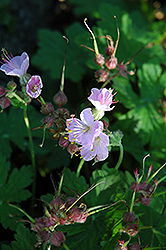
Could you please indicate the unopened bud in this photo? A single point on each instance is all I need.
(132, 229)
(135, 246)
(105, 123)
(2, 91)
(60, 98)
(56, 203)
(128, 217)
(47, 109)
(11, 85)
(99, 59)
(111, 62)
(121, 245)
(48, 121)
(4, 102)
(57, 238)
(72, 149)
(101, 75)
(76, 215)
(64, 141)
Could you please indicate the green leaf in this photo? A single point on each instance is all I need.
(25, 240)
(50, 55)
(13, 189)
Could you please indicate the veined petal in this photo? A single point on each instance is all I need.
(87, 117)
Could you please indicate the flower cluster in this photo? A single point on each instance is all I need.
(109, 61)
(145, 189)
(61, 213)
(87, 132)
(31, 85)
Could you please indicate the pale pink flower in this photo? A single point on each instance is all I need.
(33, 87)
(102, 99)
(99, 150)
(85, 130)
(15, 66)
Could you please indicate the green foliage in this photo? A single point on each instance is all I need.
(50, 55)
(12, 190)
(24, 240)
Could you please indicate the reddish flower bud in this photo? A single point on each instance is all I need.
(56, 203)
(111, 62)
(128, 217)
(50, 221)
(121, 245)
(47, 109)
(63, 141)
(11, 85)
(99, 59)
(38, 226)
(57, 238)
(105, 124)
(69, 201)
(145, 200)
(48, 121)
(135, 246)
(2, 91)
(72, 149)
(132, 229)
(60, 98)
(77, 215)
(4, 102)
(101, 75)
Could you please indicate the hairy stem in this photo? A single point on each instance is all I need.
(120, 157)
(79, 167)
(32, 152)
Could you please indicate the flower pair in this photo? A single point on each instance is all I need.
(88, 131)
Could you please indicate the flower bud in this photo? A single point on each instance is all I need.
(109, 50)
(50, 221)
(57, 238)
(47, 109)
(63, 141)
(56, 203)
(99, 59)
(101, 75)
(121, 245)
(135, 246)
(48, 121)
(78, 216)
(72, 148)
(128, 217)
(11, 85)
(4, 102)
(111, 62)
(60, 98)
(105, 123)
(2, 91)
(145, 200)
(132, 229)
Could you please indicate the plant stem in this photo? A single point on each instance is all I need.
(32, 152)
(79, 167)
(120, 157)
(132, 202)
(65, 246)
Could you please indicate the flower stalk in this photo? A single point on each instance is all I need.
(26, 120)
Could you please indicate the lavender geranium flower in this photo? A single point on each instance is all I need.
(102, 99)
(15, 66)
(33, 87)
(85, 130)
(99, 150)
